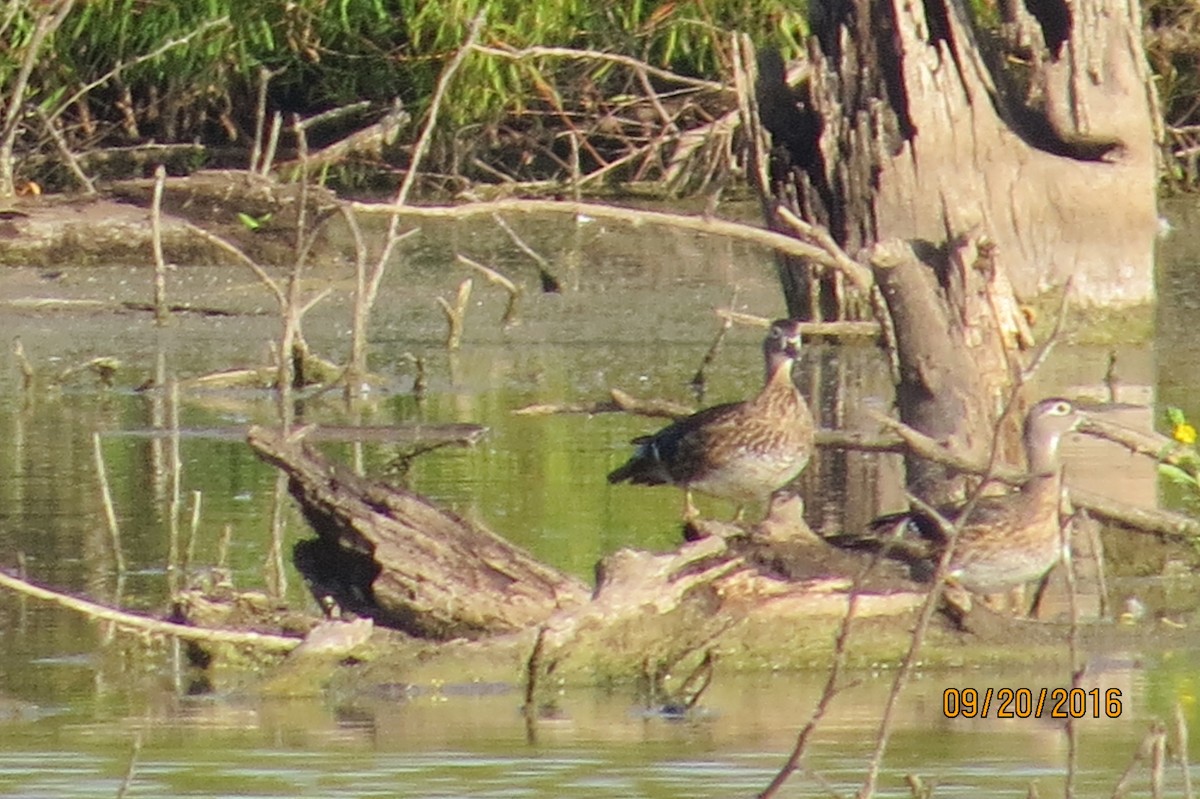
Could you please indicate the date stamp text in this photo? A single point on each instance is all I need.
(1037, 703)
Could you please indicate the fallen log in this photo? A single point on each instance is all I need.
(392, 555)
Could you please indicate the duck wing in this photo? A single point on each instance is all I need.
(678, 452)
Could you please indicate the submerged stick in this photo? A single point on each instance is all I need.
(700, 379)
(1181, 751)
(455, 314)
(189, 552)
(161, 312)
(24, 365)
(550, 284)
(110, 514)
(127, 780)
(175, 500)
(496, 278)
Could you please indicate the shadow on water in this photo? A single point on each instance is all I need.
(636, 314)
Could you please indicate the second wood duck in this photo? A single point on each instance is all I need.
(1010, 540)
(741, 451)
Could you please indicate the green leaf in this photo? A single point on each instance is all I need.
(1177, 475)
(250, 222)
(1175, 416)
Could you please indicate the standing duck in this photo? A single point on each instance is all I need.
(1009, 540)
(741, 451)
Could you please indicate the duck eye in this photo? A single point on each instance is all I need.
(1062, 409)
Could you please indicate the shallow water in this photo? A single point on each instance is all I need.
(636, 314)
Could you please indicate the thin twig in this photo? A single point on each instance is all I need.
(24, 365)
(550, 284)
(161, 313)
(1077, 668)
(1158, 761)
(495, 278)
(274, 558)
(193, 531)
(1044, 351)
(69, 158)
(268, 159)
(632, 63)
(828, 694)
(435, 105)
(133, 621)
(933, 599)
(110, 514)
(260, 117)
(223, 546)
(857, 274)
(116, 71)
(699, 379)
(268, 281)
(131, 767)
(533, 666)
(45, 24)
(455, 314)
(333, 113)
(1142, 753)
(175, 500)
(837, 329)
(1181, 750)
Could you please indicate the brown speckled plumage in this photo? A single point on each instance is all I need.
(1007, 540)
(741, 451)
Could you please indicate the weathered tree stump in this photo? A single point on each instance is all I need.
(914, 125)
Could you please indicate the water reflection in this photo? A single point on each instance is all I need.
(636, 316)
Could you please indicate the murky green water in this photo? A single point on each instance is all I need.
(636, 315)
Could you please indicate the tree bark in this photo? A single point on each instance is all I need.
(927, 135)
(910, 128)
(394, 556)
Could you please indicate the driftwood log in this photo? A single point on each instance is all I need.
(390, 554)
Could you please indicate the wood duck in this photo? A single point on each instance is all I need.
(740, 450)
(1009, 540)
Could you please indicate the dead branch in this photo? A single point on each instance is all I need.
(392, 555)
(620, 402)
(596, 55)
(838, 329)
(435, 105)
(23, 363)
(455, 314)
(268, 281)
(145, 624)
(550, 284)
(160, 264)
(1151, 520)
(64, 150)
(110, 513)
(858, 275)
(497, 279)
(371, 139)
